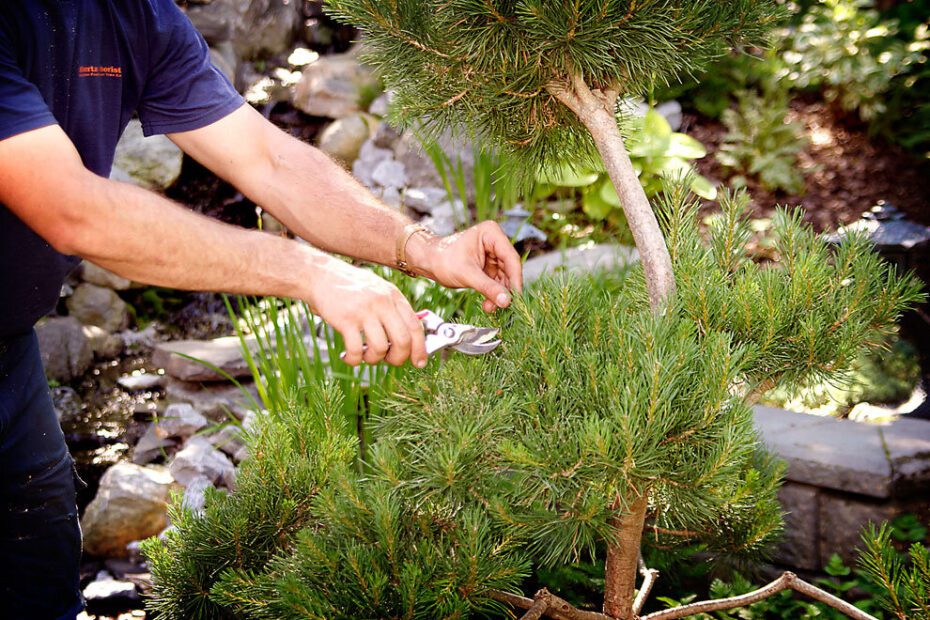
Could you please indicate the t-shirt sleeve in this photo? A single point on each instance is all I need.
(183, 91)
(22, 107)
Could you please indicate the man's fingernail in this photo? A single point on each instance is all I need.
(503, 299)
(421, 364)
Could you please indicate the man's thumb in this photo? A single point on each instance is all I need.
(494, 291)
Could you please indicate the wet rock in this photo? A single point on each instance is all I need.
(178, 358)
(131, 504)
(152, 162)
(105, 588)
(101, 277)
(140, 382)
(104, 344)
(331, 86)
(180, 420)
(216, 401)
(200, 459)
(68, 404)
(95, 305)
(151, 445)
(66, 352)
(343, 138)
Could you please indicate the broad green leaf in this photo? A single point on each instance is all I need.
(654, 138)
(702, 186)
(608, 193)
(595, 206)
(686, 147)
(541, 191)
(673, 167)
(567, 175)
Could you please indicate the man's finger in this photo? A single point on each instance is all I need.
(418, 355)
(353, 342)
(508, 260)
(376, 342)
(400, 338)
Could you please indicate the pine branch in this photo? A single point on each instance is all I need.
(557, 609)
(787, 581)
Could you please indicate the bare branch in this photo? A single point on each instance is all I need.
(539, 607)
(559, 608)
(788, 581)
(650, 575)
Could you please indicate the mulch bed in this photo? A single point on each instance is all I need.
(849, 170)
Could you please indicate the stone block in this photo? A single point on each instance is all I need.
(223, 353)
(842, 518)
(799, 547)
(833, 454)
(65, 349)
(907, 442)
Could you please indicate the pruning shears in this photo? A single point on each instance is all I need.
(461, 337)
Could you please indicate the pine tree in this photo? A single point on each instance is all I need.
(617, 412)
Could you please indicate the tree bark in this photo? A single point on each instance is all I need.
(597, 112)
(623, 562)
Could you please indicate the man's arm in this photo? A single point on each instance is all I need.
(322, 203)
(147, 238)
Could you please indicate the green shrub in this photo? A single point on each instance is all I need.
(761, 143)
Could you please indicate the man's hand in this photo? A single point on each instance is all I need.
(481, 258)
(356, 301)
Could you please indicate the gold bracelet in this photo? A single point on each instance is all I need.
(409, 231)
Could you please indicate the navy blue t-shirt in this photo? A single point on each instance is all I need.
(89, 65)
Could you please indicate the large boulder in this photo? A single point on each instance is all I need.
(95, 305)
(131, 504)
(195, 360)
(267, 28)
(332, 86)
(66, 351)
(219, 20)
(153, 162)
(343, 138)
(104, 344)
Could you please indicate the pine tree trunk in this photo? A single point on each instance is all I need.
(597, 111)
(660, 279)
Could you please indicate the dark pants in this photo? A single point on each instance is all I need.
(40, 538)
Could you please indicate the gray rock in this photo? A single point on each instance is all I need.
(517, 225)
(180, 420)
(317, 33)
(140, 381)
(424, 199)
(672, 112)
(94, 305)
(218, 20)
(343, 138)
(421, 172)
(66, 352)
(131, 504)
(241, 454)
(104, 344)
(223, 56)
(267, 28)
(331, 86)
(391, 197)
(153, 162)
(907, 444)
(151, 445)
(105, 588)
(217, 401)
(390, 173)
(200, 459)
(386, 137)
(223, 353)
(588, 259)
(842, 519)
(194, 494)
(101, 277)
(369, 156)
(228, 439)
(379, 107)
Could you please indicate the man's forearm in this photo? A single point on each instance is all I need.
(147, 238)
(322, 203)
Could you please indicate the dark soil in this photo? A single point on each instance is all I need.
(848, 171)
